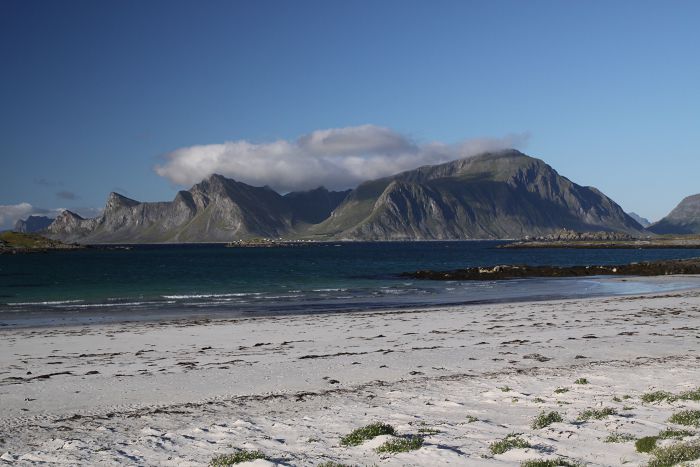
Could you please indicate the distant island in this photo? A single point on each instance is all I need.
(495, 195)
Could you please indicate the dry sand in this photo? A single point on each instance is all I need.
(182, 392)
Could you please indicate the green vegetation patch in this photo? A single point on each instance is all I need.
(242, 455)
(646, 444)
(674, 454)
(332, 464)
(656, 396)
(395, 446)
(596, 414)
(512, 441)
(28, 241)
(686, 417)
(558, 462)
(545, 419)
(366, 433)
(661, 396)
(674, 434)
(561, 390)
(428, 431)
(471, 419)
(619, 438)
(581, 381)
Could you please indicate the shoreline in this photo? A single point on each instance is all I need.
(181, 392)
(96, 317)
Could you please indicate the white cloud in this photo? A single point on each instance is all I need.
(337, 158)
(10, 213)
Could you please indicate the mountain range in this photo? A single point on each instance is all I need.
(504, 194)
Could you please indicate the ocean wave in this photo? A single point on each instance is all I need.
(223, 295)
(56, 302)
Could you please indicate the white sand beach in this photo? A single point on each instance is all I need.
(463, 377)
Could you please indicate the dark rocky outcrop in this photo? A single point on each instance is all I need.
(32, 224)
(654, 268)
(683, 220)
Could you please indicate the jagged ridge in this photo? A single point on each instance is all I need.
(217, 209)
(495, 195)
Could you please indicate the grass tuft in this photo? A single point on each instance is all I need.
(619, 438)
(674, 454)
(596, 414)
(581, 381)
(559, 462)
(428, 431)
(471, 419)
(366, 433)
(657, 396)
(394, 446)
(686, 417)
(670, 433)
(545, 419)
(512, 441)
(332, 464)
(561, 390)
(242, 455)
(660, 396)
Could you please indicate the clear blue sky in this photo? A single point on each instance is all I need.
(93, 93)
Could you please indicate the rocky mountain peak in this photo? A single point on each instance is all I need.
(117, 201)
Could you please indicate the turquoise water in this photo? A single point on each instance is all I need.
(179, 280)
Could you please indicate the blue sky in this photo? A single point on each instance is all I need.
(95, 95)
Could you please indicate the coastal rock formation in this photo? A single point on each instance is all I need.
(32, 224)
(571, 235)
(503, 194)
(19, 242)
(217, 209)
(652, 268)
(684, 219)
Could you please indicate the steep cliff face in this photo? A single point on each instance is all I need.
(32, 224)
(497, 195)
(684, 219)
(217, 209)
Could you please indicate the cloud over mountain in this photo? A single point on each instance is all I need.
(10, 213)
(337, 158)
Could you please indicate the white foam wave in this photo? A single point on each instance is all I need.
(56, 302)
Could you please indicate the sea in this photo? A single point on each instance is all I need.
(153, 282)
